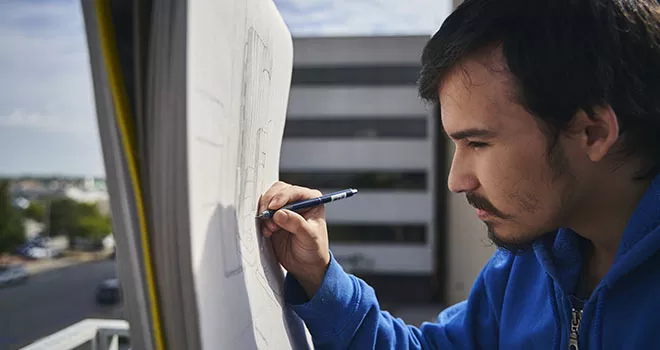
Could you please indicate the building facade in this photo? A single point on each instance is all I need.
(355, 121)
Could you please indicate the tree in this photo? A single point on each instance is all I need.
(12, 232)
(93, 227)
(63, 216)
(35, 211)
(75, 219)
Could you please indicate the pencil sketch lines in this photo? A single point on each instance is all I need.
(210, 96)
(251, 148)
(209, 142)
(210, 132)
(262, 343)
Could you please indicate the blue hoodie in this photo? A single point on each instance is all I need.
(523, 301)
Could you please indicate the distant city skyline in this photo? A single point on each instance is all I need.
(47, 116)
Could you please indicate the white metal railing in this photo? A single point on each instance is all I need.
(89, 334)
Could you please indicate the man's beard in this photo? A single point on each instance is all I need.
(558, 164)
(514, 246)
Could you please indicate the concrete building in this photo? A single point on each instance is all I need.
(355, 120)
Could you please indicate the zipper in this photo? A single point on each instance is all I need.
(575, 329)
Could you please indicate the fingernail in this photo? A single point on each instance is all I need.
(280, 215)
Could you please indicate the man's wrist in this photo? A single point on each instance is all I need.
(312, 279)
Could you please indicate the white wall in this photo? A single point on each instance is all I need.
(349, 102)
(340, 50)
(355, 154)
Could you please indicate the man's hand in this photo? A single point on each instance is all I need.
(300, 241)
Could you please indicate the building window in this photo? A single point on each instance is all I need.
(402, 128)
(364, 233)
(367, 75)
(361, 180)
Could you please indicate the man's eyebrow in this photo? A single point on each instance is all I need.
(474, 132)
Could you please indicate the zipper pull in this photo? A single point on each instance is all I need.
(575, 328)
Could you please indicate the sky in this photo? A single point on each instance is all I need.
(47, 114)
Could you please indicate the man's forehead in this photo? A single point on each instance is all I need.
(475, 94)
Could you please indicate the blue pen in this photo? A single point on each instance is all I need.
(308, 203)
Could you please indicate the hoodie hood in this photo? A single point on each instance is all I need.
(561, 255)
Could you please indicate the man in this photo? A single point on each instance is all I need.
(554, 109)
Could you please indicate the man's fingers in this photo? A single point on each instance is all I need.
(268, 195)
(266, 232)
(292, 222)
(313, 215)
(291, 194)
(271, 225)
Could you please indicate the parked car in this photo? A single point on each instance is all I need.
(15, 273)
(108, 292)
(31, 250)
(40, 241)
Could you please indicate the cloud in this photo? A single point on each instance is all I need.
(363, 17)
(50, 123)
(44, 63)
(46, 91)
(47, 114)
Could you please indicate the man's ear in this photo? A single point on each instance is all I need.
(597, 133)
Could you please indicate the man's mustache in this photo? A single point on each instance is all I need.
(483, 204)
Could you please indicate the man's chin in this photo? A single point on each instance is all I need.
(510, 242)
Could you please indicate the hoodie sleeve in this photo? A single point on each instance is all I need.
(345, 314)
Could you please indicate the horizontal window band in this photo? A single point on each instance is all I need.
(360, 180)
(356, 128)
(359, 233)
(367, 75)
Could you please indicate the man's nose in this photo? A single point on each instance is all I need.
(461, 175)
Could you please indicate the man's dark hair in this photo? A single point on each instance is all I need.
(565, 55)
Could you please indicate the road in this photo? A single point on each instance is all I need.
(52, 300)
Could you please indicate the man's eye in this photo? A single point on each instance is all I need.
(474, 144)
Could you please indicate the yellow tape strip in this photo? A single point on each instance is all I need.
(108, 47)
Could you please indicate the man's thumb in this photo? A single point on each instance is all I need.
(291, 221)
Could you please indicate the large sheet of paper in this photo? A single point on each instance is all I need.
(239, 70)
